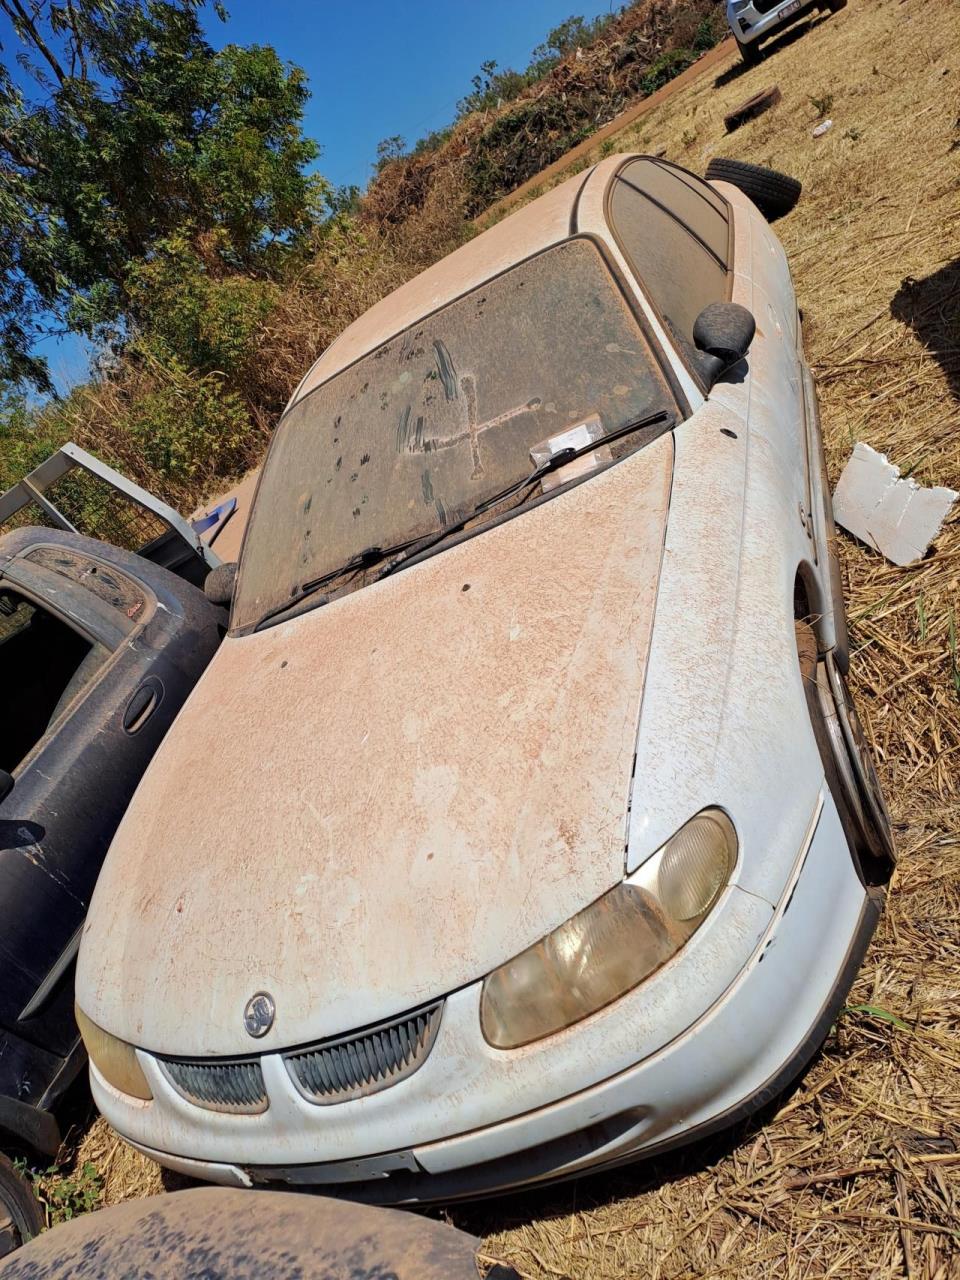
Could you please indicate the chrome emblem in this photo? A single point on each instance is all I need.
(258, 1014)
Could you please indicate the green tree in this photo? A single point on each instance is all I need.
(135, 133)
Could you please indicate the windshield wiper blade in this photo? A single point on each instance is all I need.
(406, 550)
(364, 559)
(556, 460)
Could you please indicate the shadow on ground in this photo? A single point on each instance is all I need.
(931, 307)
(770, 49)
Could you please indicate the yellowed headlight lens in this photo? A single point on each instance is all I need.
(614, 944)
(695, 865)
(114, 1059)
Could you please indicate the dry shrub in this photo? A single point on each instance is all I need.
(494, 151)
(357, 262)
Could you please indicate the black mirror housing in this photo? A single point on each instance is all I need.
(219, 583)
(722, 333)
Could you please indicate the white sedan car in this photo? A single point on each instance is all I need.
(521, 824)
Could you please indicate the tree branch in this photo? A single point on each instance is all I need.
(25, 26)
(16, 153)
(77, 40)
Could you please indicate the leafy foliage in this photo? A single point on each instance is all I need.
(136, 130)
(492, 87)
(641, 49)
(26, 437)
(63, 1197)
(187, 425)
(189, 310)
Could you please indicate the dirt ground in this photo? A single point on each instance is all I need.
(856, 1171)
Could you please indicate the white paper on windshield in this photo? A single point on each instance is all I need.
(580, 436)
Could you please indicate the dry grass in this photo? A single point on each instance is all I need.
(856, 1173)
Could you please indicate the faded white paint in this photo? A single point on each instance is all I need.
(453, 766)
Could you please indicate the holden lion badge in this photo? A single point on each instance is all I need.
(258, 1014)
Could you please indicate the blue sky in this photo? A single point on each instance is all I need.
(376, 69)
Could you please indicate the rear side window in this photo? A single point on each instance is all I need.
(674, 231)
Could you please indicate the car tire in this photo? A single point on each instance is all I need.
(750, 53)
(847, 761)
(772, 192)
(836, 5)
(21, 1214)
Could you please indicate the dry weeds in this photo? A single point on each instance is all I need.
(856, 1172)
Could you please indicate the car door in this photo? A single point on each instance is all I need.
(99, 651)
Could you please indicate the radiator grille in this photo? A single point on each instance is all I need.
(352, 1067)
(219, 1086)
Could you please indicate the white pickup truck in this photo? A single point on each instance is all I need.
(752, 21)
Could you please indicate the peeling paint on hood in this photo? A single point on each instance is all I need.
(383, 799)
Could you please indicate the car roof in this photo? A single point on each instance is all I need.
(539, 224)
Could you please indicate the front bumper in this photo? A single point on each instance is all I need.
(706, 1068)
(749, 25)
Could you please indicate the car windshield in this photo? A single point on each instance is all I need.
(416, 435)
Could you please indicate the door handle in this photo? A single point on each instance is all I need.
(142, 705)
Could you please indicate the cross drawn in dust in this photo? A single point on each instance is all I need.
(412, 441)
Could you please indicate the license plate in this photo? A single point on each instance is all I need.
(792, 7)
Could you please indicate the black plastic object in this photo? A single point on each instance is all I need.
(73, 787)
(722, 333)
(220, 582)
(774, 193)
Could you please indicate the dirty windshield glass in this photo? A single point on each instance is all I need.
(442, 417)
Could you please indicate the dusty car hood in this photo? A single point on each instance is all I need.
(381, 800)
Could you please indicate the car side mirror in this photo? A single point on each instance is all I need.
(6, 784)
(722, 333)
(219, 583)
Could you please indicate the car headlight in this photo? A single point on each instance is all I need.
(114, 1059)
(611, 946)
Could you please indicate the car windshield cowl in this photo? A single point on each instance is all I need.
(442, 423)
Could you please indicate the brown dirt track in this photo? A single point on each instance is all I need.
(856, 1172)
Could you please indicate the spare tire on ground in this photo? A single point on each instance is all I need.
(773, 193)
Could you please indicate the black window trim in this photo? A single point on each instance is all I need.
(99, 622)
(33, 596)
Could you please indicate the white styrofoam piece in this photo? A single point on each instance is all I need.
(890, 513)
